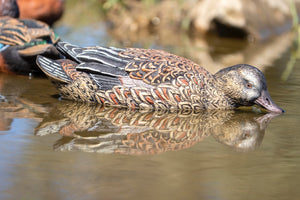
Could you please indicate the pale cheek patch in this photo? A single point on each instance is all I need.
(256, 85)
(252, 93)
(255, 81)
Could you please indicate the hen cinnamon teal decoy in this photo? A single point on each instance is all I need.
(21, 40)
(152, 79)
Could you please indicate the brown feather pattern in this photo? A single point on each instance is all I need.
(153, 79)
(174, 83)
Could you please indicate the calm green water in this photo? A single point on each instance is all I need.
(55, 149)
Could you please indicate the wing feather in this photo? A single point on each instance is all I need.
(53, 69)
(149, 65)
(99, 68)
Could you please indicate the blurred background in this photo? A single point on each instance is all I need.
(215, 34)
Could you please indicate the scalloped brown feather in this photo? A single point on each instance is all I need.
(185, 86)
(157, 66)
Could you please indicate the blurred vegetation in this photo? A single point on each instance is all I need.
(295, 51)
(147, 13)
(127, 14)
(78, 12)
(110, 4)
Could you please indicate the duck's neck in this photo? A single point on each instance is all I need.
(219, 96)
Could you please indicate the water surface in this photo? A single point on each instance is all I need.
(57, 149)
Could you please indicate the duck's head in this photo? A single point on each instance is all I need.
(246, 85)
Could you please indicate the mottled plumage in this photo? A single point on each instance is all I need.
(21, 40)
(152, 79)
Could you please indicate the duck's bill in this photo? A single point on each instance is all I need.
(266, 102)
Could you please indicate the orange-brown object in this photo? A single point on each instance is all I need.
(3, 66)
(47, 11)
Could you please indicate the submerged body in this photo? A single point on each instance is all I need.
(152, 79)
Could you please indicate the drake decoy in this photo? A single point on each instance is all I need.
(21, 40)
(152, 79)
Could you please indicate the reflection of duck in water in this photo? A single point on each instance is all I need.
(152, 79)
(243, 131)
(12, 108)
(21, 98)
(111, 130)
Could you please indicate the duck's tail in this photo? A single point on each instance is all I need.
(70, 51)
(55, 69)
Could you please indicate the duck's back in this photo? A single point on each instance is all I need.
(22, 31)
(149, 65)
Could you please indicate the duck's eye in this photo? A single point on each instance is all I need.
(249, 85)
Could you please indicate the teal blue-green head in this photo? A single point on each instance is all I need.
(246, 85)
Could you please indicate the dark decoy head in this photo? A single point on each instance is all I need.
(246, 85)
(9, 8)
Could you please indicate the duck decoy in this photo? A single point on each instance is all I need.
(152, 79)
(21, 40)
